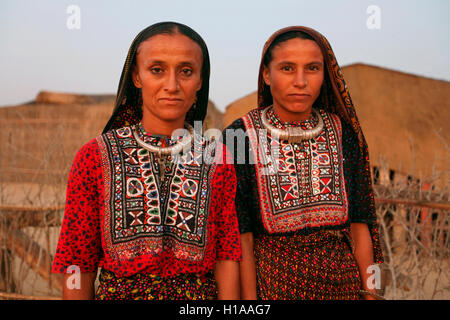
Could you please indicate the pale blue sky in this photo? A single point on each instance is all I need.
(38, 51)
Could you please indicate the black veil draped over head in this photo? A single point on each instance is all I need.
(128, 106)
(334, 97)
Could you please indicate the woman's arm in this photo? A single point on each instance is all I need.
(79, 243)
(85, 290)
(363, 253)
(227, 279)
(247, 268)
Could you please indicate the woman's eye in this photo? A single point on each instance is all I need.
(187, 72)
(156, 70)
(286, 68)
(313, 68)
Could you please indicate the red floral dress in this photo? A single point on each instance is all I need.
(122, 217)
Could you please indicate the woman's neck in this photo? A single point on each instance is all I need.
(288, 116)
(155, 125)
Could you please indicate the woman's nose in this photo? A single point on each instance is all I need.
(300, 79)
(172, 83)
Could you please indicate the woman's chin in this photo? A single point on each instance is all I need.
(172, 117)
(297, 108)
(169, 114)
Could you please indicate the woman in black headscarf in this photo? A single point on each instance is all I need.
(142, 203)
(304, 197)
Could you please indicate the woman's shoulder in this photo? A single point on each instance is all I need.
(88, 149)
(122, 132)
(239, 122)
(236, 124)
(89, 153)
(87, 162)
(346, 127)
(335, 117)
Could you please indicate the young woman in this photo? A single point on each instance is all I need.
(141, 204)
(304, 199)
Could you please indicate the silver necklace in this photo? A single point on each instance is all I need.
(293, 134)
(163, 152)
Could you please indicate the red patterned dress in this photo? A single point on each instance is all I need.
(298, 200)
(153, 239)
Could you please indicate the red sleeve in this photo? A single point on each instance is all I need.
(79, 241)
(228, 237)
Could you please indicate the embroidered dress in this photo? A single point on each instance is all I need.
(299, 199)
(308, 177)
(120, 216)
(300, 216)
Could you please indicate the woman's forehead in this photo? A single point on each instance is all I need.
(298, 49)
(166, 45)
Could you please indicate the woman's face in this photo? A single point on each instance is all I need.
(168, 70)
(295, 76)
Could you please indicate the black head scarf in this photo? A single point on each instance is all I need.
(128, 106)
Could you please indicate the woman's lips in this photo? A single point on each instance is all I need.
(299, 96)
(171, 100)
